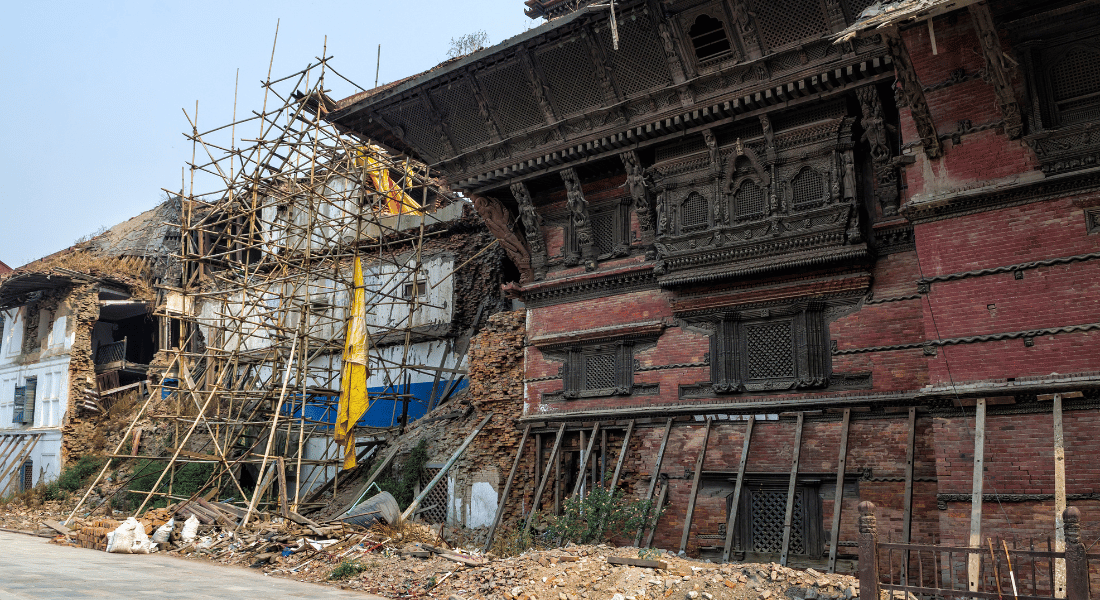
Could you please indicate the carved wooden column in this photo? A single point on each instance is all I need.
(499, 221)
(1077, 566)
(643, 207)
(745, 24)
(1000, 70)
(875, 134)
(868, 551)
(580, 222)
(912, 94)
(532, 226)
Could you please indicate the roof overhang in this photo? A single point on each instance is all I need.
(898, 14)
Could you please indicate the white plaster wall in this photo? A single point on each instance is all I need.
(475, 503)
(12, 341)
(51, 402)
(385, 287)
(45, 460)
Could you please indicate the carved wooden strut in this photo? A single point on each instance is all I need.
(635, 182)
(912, 94)
(582, 224)
(532, 226)
(1000, 70)
(499, 221)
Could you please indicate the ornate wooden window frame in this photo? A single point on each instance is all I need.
(731, 355)
(812, 528)
(575, 375)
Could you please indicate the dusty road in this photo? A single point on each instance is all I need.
(31, 567)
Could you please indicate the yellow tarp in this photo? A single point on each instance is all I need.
(354, 400)
(397, 201)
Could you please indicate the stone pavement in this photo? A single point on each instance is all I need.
(30, 567)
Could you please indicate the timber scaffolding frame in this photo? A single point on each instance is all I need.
(269, 255)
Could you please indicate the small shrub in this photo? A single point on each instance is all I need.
(402, 484)
(76, 475)
(600, 516)
(347, 569)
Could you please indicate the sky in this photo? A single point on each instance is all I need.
(94, 127)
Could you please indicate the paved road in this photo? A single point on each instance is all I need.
(30, 567)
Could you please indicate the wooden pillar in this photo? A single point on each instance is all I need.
(868, 551)
(695, 486)
(507, 488)
(974, 560)
(545, 476)
(586, 457)
(789, 513)
(622, 456)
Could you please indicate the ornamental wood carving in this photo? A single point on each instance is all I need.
(532, 226)
(499, 221)
(580, 222)
(643, 207)
(1000, 70)
(912, 94)
(875, 129)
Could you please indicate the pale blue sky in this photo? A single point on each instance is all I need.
(93, 90)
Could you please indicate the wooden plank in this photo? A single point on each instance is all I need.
(1059, 497)
(299, 519)
(538, 457)
(58, 527)
(13, 472)
(838, 495)
(738, 486)
(637, 562)
(696, 478)
(586, 458)
(284, 510)
(789, 513)
(974, 561)
(218, 515)
(603, 458)
(542, 482)
(622, 456)
(557, 482)
(507, 489)
(653, 475)
(657, 510)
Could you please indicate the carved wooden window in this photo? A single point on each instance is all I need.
(762, 511)
(610, 231)
(1069, 78)
(748, 200)
(709, 38)
(694, 213)
(26, 481)
(600, 370)
(777, 353)
(808, 188)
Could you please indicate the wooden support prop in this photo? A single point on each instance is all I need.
(653, 475)
(737, 487)
(507, 489)
(622, 456)
(1059, 498)
(603, 458)
(284, 510)
(838, 495)
(907, 514)
(446, 467)
(696, 478)
(657, 511)
(586, 458)
(974, 559)
(14, 471)
(557, 482)
(538, 458)
(789, 513)
(545, 476)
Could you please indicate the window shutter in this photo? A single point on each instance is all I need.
(28, 400)
(28, 475)
(17, 412)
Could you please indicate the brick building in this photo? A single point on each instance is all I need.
(865, 234)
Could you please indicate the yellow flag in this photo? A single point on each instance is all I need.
(354, 400)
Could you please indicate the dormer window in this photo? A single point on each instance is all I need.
(709, 39)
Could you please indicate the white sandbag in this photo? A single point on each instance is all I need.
(190, 529)
(121, 540)
(161, 535)
(141, 545)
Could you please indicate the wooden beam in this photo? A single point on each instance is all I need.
(738, 486)
(587, 456)
(789, 513)
(15, 470)
(653, 475)
(975, 559)
(838, 495)
(363, 488)
(557, 482)
(507, 489)
(696, 478)
(545, 476)
(446, 467)
(284, 510)
(622, 455)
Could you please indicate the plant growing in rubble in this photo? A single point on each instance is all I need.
(347, 569)
(402, 483)
(600, 515)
